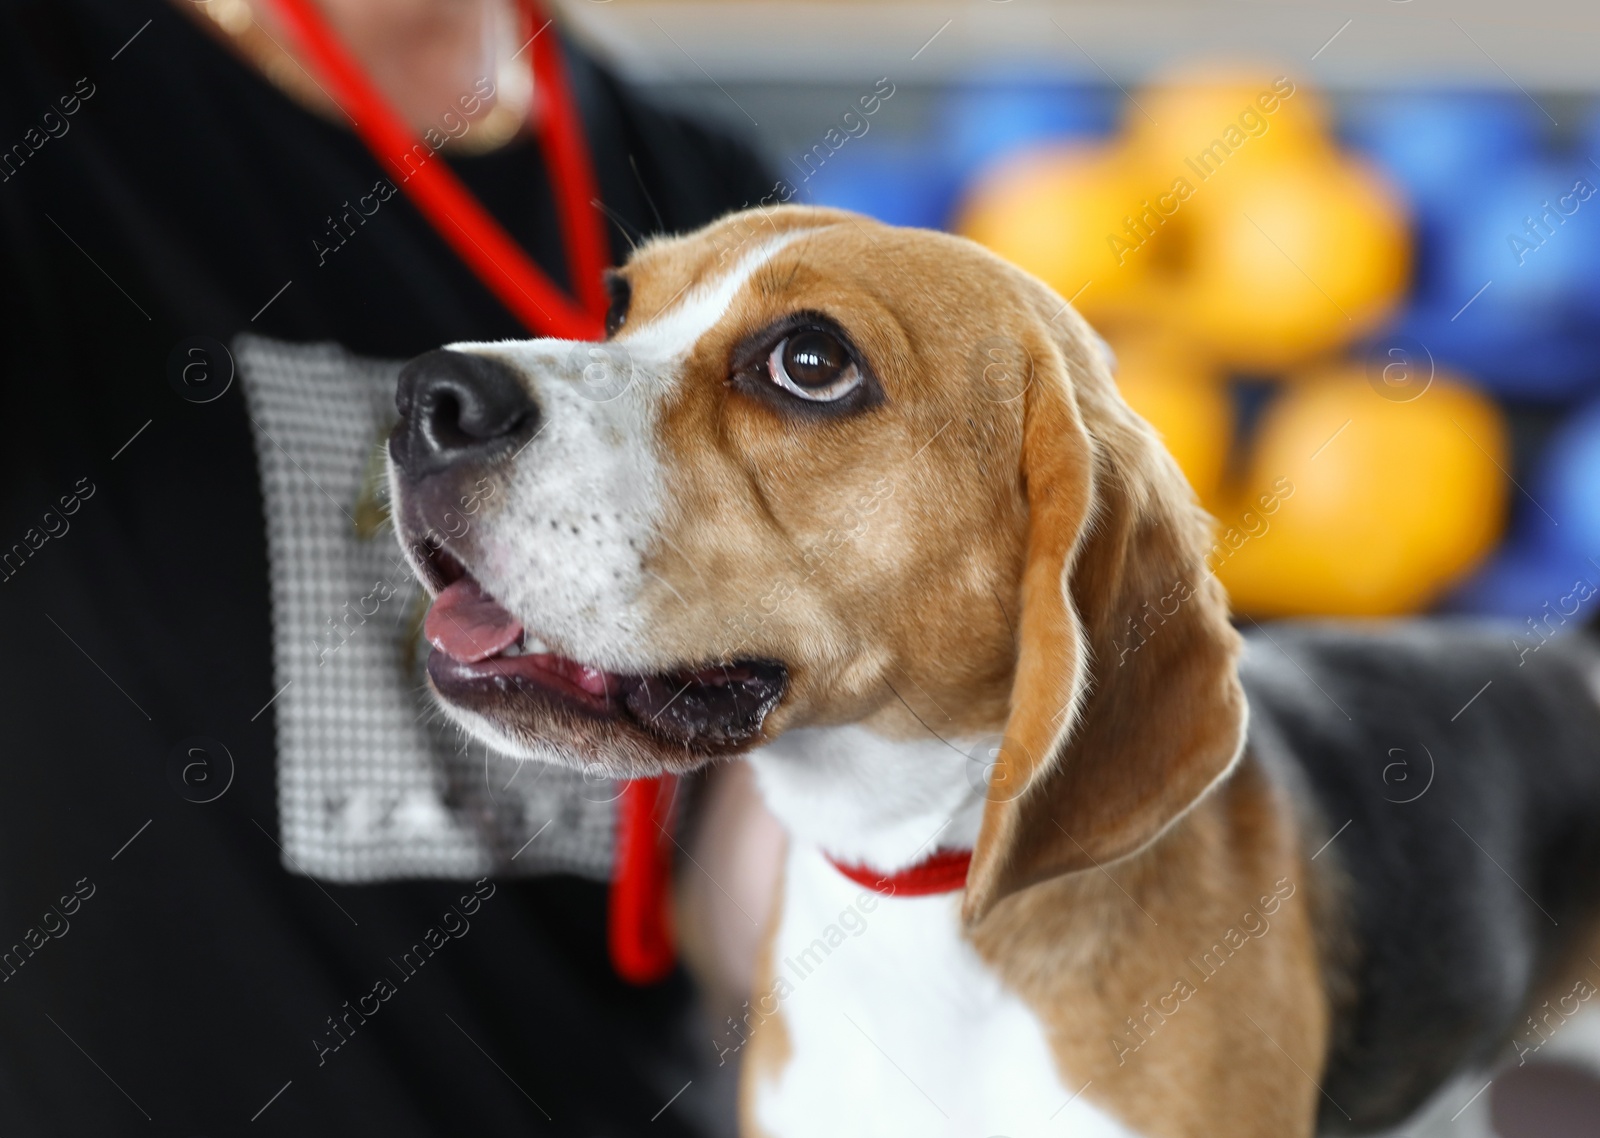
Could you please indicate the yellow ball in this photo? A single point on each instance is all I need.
(1183, 397)
(1356, 504)
(1052, 212)
(1211, 121)
(1291, 261)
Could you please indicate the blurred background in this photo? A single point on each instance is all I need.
(1348, 256)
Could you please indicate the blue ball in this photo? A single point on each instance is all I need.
(1450, 152)
(984, 119)
(1588, 143)
(1435, 143)
(1538, 361)
(896, 182)
(1534, 230)
(1511, 293)
(1567, 483)
(1530, 580)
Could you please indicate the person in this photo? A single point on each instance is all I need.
(165, 168)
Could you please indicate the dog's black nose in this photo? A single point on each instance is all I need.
(455, 407)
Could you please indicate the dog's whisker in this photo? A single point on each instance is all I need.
(919, 719)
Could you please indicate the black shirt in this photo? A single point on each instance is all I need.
(156, 960)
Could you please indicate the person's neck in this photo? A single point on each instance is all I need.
(432, 58)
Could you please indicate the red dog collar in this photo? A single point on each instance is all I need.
(943, 871)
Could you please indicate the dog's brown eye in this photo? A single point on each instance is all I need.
(813, 365)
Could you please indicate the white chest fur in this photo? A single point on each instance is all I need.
(896, 1026)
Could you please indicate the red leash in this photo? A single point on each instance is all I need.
(640, 935)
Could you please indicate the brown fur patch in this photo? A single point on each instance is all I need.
(1223, 988)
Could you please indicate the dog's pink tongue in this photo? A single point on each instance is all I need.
(466, 624)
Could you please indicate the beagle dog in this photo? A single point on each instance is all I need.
(1068, 855)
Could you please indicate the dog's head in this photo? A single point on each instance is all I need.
(824, 471)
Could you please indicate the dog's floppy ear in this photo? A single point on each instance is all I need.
(1126, 707)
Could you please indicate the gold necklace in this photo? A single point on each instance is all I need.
(491, 130)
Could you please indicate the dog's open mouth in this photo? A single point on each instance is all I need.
(484, 659)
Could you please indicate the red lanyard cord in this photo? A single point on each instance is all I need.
(640, 925)
(639, 919)
(457, 216)
(571, 164)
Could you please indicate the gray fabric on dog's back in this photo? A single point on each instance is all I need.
(373, 783)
